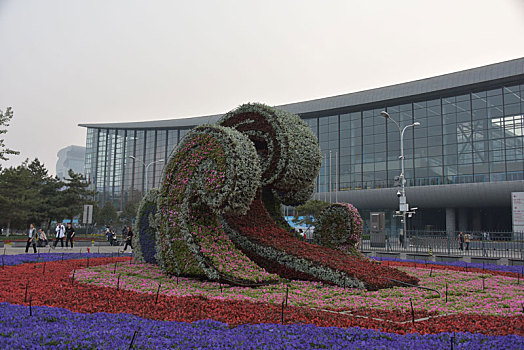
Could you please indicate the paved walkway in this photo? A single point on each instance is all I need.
(9, 250)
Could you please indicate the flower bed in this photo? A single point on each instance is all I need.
(254, 318)
(61, 328)
(499, 294)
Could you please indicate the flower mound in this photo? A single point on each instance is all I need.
(287, 148)
(214, 170)
(339, 227)
(212, 223)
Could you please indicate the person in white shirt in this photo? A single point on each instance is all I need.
(31, 238)
(60, 234)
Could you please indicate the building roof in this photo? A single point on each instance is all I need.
(453, 81)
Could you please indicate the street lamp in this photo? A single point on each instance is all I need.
(403, 204)
(147, 168)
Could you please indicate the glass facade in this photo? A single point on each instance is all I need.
(467, 137)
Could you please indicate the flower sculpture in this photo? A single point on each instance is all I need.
(213, 222)
(145, 239)
(213, 171)
(340, 227)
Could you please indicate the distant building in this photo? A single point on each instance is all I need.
(71, 157)
(461, 163)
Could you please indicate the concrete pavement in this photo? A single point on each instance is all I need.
(9, 250)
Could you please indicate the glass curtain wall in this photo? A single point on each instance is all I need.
(463, 138)
(90, 157)
(149, 159)
(160, 154)
(139, 171)
(328, 130)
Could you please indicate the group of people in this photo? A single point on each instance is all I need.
(464, 240)
(67, 232)
(39, 238)
(127, 236)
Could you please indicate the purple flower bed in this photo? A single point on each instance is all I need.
(62, 329)
(11, 260)
(506, 268)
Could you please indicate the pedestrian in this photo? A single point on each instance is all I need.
(32, 237)
(129, 239)
(70, 234)
(60, 234)
(108, 234)
(401, 240)
(42, 238)
(461, 240)
(467, 239)
(124, 233)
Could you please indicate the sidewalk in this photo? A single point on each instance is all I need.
(9, 250)
(404, 256)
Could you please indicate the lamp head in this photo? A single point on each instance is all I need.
(385, 114)
(416, 124)
(132, 157)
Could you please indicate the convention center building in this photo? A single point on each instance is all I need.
(461, 163)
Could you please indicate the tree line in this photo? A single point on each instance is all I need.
(28, 194)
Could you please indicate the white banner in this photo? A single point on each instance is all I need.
(87, 218)
(517, 206)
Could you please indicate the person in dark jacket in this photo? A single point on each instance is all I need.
(129, 238)
(70, 234)
(32, 237)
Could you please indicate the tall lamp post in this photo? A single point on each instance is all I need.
(403, 204)
(147, 168)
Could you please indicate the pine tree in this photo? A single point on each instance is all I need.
(17, 196)
(4, 121)
(74, 195)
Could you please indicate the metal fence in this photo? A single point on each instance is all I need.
(483, 244)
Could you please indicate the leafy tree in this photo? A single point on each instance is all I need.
(309, 211)
(39, 180)
(17, 196)
(51, 205)
(107, 214)
(74, 195)
(129, 213)
(4, 121)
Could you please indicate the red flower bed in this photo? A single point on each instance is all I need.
(55, 288)
(260, 229)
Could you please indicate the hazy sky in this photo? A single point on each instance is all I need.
(65, 62)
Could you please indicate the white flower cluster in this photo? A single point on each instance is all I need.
(289, 152)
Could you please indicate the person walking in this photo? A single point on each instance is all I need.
(124, 233)
(70, 234)
(42, 238)
(32, 237)
(60, 234)
(461, 240)
(467, 239)
(129, 239)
